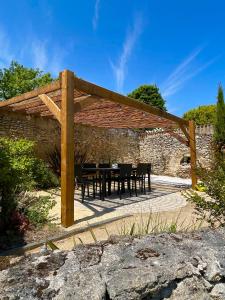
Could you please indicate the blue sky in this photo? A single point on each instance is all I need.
(178, 45)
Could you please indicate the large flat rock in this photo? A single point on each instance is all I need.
(165, 266)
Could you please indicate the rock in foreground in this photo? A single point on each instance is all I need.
(166, 266)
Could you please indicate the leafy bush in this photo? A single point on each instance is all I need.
(202, 115)
(35, 209)
(20, 171)
(30, 172)
(211, 204)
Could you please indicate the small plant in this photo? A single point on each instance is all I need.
(210, 206)
(51, 245)
(155, 224)
(54, 159)
(37, 212)
(93, 235)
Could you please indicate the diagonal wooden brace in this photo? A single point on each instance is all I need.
(54, 109)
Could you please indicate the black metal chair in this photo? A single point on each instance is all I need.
(124, 176)
(149, 170)
(84, 181)
(139, 177)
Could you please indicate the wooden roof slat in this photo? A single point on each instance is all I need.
(93, 89)
(95, 106)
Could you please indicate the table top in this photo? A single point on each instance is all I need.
(101, 169)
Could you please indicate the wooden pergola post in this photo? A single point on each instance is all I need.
(67, 148)
(192, 145)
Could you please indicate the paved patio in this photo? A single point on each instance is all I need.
(165, 196)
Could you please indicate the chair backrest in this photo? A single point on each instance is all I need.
(149, 167)
(142, 169)
(78, 172)
(104, 165)
(125, 170)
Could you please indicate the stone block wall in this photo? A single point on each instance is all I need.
(165, 152)
(45, 132)
(168, 155)
(99, 145)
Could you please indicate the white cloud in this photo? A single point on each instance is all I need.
(6, 54)
(96, 14)
(119, 68)
(182, 74)
(42, 54)
(39, 53)
(47, 57)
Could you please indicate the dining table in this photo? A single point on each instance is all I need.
(106, 174)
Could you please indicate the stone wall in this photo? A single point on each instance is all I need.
(96, 144)
(44, 131)
(168, 155)
(165, 152)
(107, 145)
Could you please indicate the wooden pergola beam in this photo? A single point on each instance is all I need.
(192, 145)
(67, 149)
(55, 85)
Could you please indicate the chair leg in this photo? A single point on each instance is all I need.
(119, 189)
(129, 186)
(144, 185)
(135, 186)
(82, 192)
(150, 186)
(93, 189)
(88, 190)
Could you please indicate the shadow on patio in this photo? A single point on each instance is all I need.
(142, 203)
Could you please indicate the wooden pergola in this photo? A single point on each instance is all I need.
(72, 100)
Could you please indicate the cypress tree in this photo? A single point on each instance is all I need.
(219, 128)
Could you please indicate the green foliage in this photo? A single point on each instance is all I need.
(37, 211)
(219, 132)
(18, 79)
(20, 171)
(149, 94)
(211, 204)
(202, 115)
(30, 172)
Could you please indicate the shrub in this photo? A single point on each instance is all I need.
(20, 171)
(211, 204)
(30, 172)
(35, 209)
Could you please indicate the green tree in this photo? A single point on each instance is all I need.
(18, 79)
(202, 115)
(149, 94)
(219, 128)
